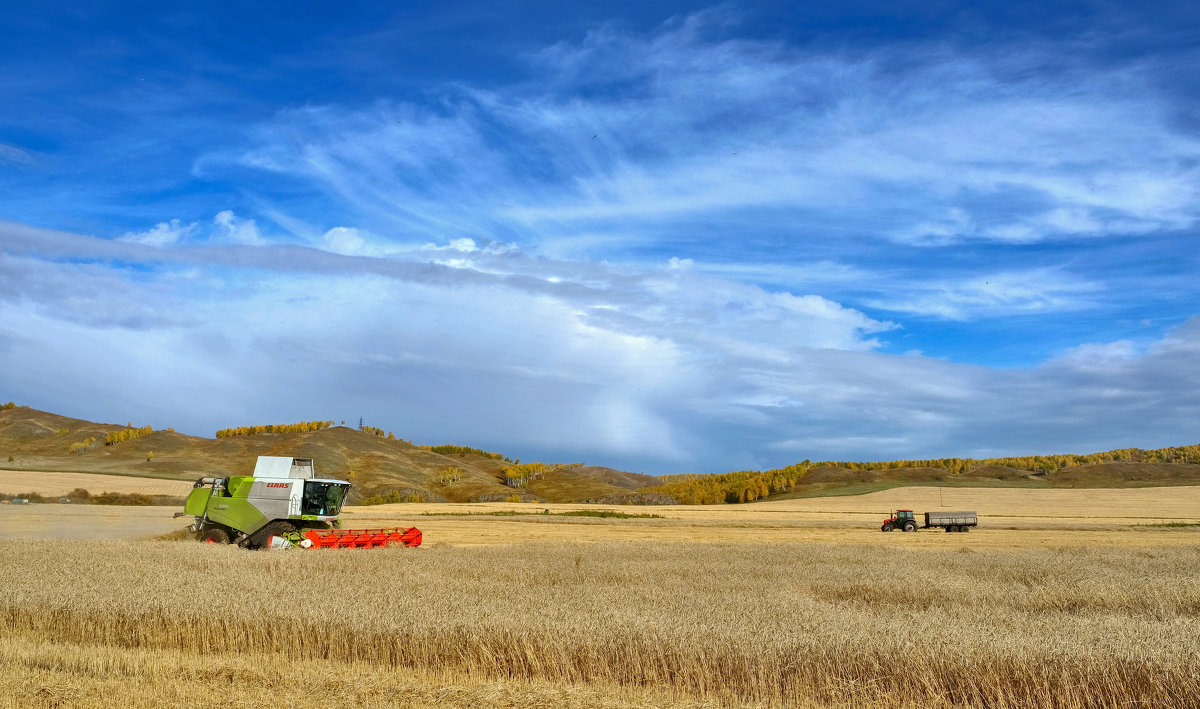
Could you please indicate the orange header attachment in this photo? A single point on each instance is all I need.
(362, 538)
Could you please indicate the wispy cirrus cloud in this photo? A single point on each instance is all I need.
(14, 155)
(999, 293)
(632, 131)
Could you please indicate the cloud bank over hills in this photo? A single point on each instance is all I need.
(659, 368)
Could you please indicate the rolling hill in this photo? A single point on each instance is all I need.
(39, 440)
(383, 467)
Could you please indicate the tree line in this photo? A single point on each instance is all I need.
(520, 474)
(464, 450)
(1033, 463)
(299, 427)
(741, 486)
(127, 434)
(751, 485)
(80, 447)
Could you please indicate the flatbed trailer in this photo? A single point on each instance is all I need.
(951, 521)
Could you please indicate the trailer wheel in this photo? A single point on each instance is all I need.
(910, 526)
(966, 528)
(949, 528)
(213, 535)
(886, 528)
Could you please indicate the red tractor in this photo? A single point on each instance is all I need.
(900, 519)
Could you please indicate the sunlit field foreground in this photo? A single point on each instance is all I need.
(628, 623)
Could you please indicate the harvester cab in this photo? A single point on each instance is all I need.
(900, 519)
(282, 504)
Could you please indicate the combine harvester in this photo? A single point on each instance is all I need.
(284, 504)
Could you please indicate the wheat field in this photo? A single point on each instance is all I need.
(626, 623)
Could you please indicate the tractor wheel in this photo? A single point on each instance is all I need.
(910, 526)
(213, 535)
(278, 528)
(887, 528)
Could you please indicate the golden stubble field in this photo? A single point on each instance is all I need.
(1058, 600)
(52, 484)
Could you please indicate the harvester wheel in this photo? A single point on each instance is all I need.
(213, 535)
(910, 526)
(887, 528)
(273, 529)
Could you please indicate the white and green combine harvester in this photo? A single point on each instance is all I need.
(283, 504)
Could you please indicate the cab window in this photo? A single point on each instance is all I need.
(323, 499)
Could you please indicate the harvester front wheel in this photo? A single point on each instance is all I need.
(213, 535)
(273, 529)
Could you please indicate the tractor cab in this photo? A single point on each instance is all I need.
(900, 519)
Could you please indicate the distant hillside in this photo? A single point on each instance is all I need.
(382, 467)
(1129, 467)
(38, 440)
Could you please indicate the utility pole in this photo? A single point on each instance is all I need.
(360, 423)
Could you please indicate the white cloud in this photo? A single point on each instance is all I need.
(163, 234)
(229, 228)
(225, 228)
(507, 347)
(1098, 356)
(345, 240)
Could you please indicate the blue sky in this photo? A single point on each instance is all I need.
(665, 237)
